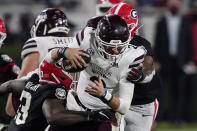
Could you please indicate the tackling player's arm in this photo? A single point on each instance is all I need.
(16, 86)
(55, 113)
(30, 63)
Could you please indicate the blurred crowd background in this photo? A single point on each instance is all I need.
(170, 26)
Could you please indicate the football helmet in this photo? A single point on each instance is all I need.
(128, 13)
(53, 73)
(50, 22)
(104, 5)
(2, 32)
(112, 33)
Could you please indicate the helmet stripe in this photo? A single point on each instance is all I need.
(118, 8)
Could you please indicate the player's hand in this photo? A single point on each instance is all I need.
(75, 56)
(34, 79)
(135, 75)
(96, 89)
(102, 115)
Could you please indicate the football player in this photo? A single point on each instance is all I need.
(144, 106)
(44, 103)
(103, 83)
(8, 70)
(48, 32)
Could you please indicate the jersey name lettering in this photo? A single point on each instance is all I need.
(62, 41)
(100, 71)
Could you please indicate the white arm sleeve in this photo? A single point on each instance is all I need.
(125, 95)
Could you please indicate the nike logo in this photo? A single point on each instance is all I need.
(104, 115)
(143, 115)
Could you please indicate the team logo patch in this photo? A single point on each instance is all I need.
(134, 14)
(90, 51)
(60, 93)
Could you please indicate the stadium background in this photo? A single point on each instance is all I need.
(18, 16)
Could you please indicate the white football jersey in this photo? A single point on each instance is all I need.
(112, 72)
(43, 45)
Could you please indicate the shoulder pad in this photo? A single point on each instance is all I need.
(29, 46)
(140, 41)
(29, 43)
(94, 21)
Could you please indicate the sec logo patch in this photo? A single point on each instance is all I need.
(60, 93)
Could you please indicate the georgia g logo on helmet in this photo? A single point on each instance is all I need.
(133, 14)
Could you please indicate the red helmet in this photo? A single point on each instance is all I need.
(2, 32)
(104, 5)
(128, 13)
(51, 73)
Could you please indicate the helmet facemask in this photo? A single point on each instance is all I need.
(106, 48)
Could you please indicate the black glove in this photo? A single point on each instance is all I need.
(102, 115)
(34, 79)
(135, 75)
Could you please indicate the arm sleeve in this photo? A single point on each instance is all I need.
(126, 89)
(29, 47)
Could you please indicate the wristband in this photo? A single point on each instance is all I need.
(62, 52)
(106, 97)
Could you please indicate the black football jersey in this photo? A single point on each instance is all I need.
(8, 71)
(29, 115)
(146, 92)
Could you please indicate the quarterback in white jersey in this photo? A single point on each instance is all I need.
(48, 32)
(103, 83)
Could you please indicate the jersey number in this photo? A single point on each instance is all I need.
(22, 112)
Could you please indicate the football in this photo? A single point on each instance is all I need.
(67, 65)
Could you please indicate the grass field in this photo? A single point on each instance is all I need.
(166, 126)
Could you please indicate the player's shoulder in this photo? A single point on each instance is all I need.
(134, 55)
(140, 41)
(30, 41)
(94, 21)
(135, 50)
(31, 45)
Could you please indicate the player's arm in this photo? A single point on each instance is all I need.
(56, 114)
(72, 54)
(16, 86)
(30, 63)
(142, 72)
(120, 104)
